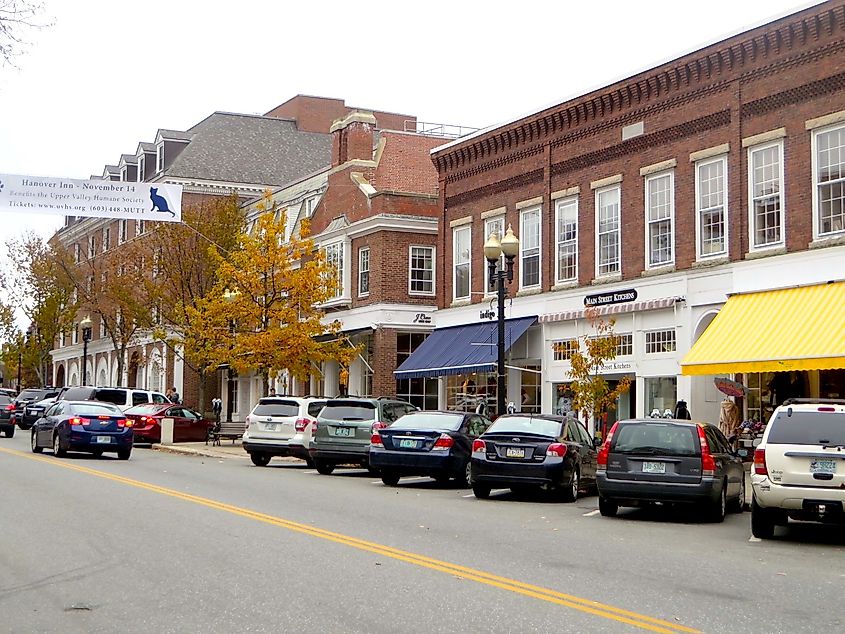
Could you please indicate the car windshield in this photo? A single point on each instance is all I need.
(807, 428)
(93, 409)
(146, 408)
(429, 420)
(525, 425)
(267, 407)
(656, 438)
(348, 410)
(118, 397)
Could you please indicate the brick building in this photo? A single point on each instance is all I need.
(655, 198)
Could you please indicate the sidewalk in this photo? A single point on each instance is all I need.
(226, 449)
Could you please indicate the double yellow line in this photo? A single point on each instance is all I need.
(537, 592)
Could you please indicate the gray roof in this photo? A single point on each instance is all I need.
(129, 159)
(250, 149)
(174, 135)
(111, 169)
(146, 148)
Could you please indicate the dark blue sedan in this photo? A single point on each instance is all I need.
(86, 426)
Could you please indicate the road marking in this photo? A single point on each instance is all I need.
(538, 592)
(591, 513)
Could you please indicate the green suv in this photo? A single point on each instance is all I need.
(345, 426)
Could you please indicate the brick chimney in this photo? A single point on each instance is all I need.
(352, 137)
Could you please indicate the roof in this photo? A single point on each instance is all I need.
(173, 135)
(128, 159)
(146, 148)
(237, 148)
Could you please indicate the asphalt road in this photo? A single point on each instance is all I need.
(172, 543)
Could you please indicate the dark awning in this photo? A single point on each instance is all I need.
(461, 349)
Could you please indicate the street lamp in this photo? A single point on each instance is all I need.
(493, 250)
(85, 324)
(229, 297)
(20, 356)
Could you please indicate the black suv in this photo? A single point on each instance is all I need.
(26, 411)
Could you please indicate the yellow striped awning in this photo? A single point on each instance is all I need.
(800, 328)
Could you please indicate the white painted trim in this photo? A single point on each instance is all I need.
(699, 256)
(487, 221)
(455, 230)
(782, 195)
(648, 179)
(559, 203)
(764, 137)
(522, 214)
(361, 250)
(596, 211)
(433, 249)
(817, 235)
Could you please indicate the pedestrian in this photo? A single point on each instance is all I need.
(272, 391)
(173, 395)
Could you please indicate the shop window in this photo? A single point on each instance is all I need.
(531, 391)
(564, 349)
(461, 241)
(567, 239)
(661, 394)
(491, 226)
(564, 400)
(766, 193)
(710, 190)
(529, 244)
(832, 384)
(607, 231)
(829, 177)
(465, 392)
(422, 391)
(657, 341)
(660, 211)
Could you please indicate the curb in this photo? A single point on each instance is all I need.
(190, 451)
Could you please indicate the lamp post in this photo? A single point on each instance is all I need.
(493, 250)
(229, 297)
(85, 324)
(20, 355)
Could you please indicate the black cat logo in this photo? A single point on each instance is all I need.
(160, 202)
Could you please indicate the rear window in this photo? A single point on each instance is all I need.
(315, 408)
(346, 410)
(663, 438)
(117, 397)
(525, 425)
(92, 409)
(30, 395)
(146, 408)
(5, 399)
(807, 428)
(429, 420)
(276, 408)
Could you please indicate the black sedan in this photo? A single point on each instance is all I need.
(521, 451)
(86, 426)
(7, 408)
(429, 443)
(29, 397)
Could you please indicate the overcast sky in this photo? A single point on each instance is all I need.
(108, 74)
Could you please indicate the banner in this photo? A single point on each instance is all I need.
(93, 198)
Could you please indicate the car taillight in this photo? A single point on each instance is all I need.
(375, 440)
(76, 420)
(443, 443)
(760, 467)
(377, 425)
(556, 449)
(314, 426)
(479, 446)
(125, 422)
(301, 424)
(10, 407)
(708, 463)
(827, 409)
(604, 450)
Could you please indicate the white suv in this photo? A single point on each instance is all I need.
(799, 467)
(281, 426)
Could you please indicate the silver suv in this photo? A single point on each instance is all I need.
(799, 467)
(281, 426)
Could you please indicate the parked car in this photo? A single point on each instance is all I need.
(281, 426)
(7, 423)
(799, 466)
(188, 425)
(83, 426)
(123, 397)
(651, 460)
(521, 451)
(8, 391)
(431, 443)
(33, 410)
(345, 427)
(24, 399)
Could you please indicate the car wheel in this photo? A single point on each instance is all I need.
(762, 521)
(34, 444)
(123, 454)
(718, 510)
(390, 478)
(323, 467)
(10, 432)
(570, 490)
(58, 450)
(607, 508)
(738, 505)
(465, 479)
(481, 491)
(259, 459)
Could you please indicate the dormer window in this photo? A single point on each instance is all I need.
(309, 206)
(140, 177)
(123, 174)
(160, 157)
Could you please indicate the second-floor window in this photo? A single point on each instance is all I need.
(160, 157)
(567, 240)
(364, 272)
(106, 239)
(607, 231)
(491, 226)
(140, 177)
(529, 246)
(124, 231)
(766, 193)
(660, 203)
(140, 227)
(710, 200)
(77, 253)
(334, 258)
(829, 179)
(461, 241)
(421, 271)
(74, 337)
(92, 246)
(657, 341)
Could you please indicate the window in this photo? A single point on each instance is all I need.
(624, 344)
(140, 227)
(829, 181)
(491, 226)
(661, 394)
(309, 206)
(123, 174)
(710, 200)
(421, 273)
(766, 205)
(74, 334)
(659, 200)
(140, 177)
(529, 246)
(607, 231)
(566, 221)
(564, 349)
(106, 238)
(77, 253)
(421, 392)
(102, 328)
(657, 341)
(334, 257)
(461, 241)
(363, 272)
(124, 230)
(92, 246)
(367, 354)
(160, 157)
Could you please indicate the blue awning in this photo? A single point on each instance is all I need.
(461, 349)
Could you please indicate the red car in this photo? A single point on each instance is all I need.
(188, 425)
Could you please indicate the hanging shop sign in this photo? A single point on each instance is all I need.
(90, 198)
(611, 297)
(729, 387)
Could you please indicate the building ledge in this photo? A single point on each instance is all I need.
(460, 302)
(658, 270)
(565, 286)
(606, 279)
(764, 253)
(827, 241)
(710, 262)
(529, 291)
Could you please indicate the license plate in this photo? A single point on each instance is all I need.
(270, 427)
(823, 466)
(344, 431)
(103, 439)
(404, 443)
(654, 467)
(514, 452)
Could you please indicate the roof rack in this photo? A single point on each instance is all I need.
(814, 401)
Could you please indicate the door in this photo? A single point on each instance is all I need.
(196, 426)
(47, 424)
(590, 455)
(181, 426)
(724, 457)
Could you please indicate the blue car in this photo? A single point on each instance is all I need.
(86, 426)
